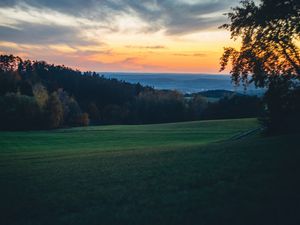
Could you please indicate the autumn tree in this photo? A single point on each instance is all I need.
(54, 111)
(41, 94)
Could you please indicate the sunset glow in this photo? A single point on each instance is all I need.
(153, 36)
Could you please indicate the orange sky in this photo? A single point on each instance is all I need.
(127, 42)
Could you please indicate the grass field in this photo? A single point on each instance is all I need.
(184, 173)
(122, 137)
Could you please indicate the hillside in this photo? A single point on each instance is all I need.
(184, 173)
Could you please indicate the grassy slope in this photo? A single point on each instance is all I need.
(123, 137)
(54, 178)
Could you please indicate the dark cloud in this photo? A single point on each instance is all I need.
(181, 17)
(146, 47)
(193, 54)
(174, 16)
(43, 34)
(129, 60)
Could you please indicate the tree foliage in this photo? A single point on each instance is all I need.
(270, 41)
(269, 56)
(54, 111)
(19, 112)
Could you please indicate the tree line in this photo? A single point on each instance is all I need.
(38, 95)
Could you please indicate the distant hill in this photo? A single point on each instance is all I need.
(185, 83)
(219, 93)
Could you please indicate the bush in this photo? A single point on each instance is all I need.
(19, 112)
(234, 107)
(282, 107)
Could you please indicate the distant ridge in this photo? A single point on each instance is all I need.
(185, 83)
(218, 93)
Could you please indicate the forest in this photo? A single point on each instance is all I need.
(38, 95)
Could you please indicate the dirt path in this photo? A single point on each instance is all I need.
(245, 134)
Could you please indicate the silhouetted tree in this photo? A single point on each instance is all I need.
(197, 105)
(159, 106)
(10, 63)
(269, 53)
(94, 112)
(82, 120)
(235, 106)
(19, 112)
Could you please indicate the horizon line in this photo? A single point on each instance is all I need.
(162, 73)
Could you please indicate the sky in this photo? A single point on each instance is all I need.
(118, 35)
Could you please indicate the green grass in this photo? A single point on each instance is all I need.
(123, 137)
(185, 173)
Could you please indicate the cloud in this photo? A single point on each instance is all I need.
(63, 55)
(75, 58)
(129, 60)
(43, 34)
(174, 16)
(180, 17)
(191, 54)
(134, 64)
(146, 47)
(94, 33)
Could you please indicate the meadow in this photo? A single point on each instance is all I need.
(178, 173)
